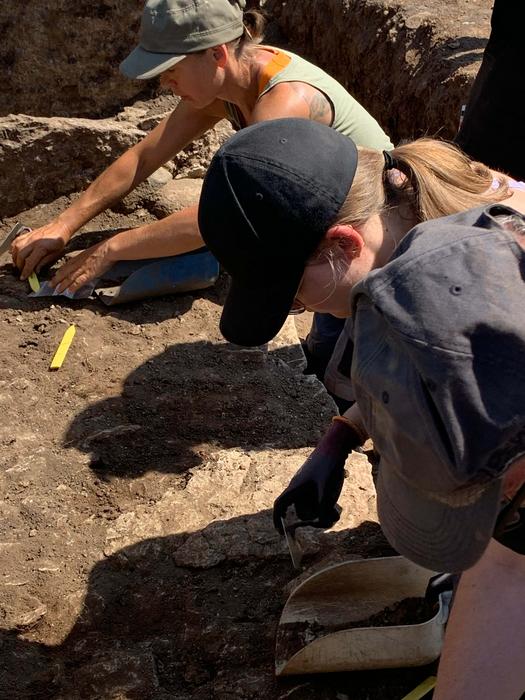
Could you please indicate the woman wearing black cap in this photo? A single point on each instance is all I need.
(438, 316)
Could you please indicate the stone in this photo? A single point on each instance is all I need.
(176, 195)
(21, 384)
(193, 160)
(129, 528)
(117, 674)
(286, 347)
(20, 610)
(160, 177)
(65, 155)
(231, 484)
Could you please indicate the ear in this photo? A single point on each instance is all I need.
(348, 238)
(220, 55)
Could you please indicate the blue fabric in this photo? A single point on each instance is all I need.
(177, 274)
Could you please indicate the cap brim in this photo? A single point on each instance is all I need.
(254, 314)
(433, 534)
(142, 64)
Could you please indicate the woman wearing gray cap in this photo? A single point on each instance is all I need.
(208, 53)
(438, 315)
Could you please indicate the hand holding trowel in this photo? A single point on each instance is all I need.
(33, 249)
(13, 233)
(49, 250)
(315, 488)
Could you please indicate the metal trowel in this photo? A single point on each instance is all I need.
(296, 553)
(13, 233)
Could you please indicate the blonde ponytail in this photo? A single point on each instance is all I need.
(437, 179)
(442, 180)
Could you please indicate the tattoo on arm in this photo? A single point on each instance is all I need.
(319, 107)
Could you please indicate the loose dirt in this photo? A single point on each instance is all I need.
(409, 611)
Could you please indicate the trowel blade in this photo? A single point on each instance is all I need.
(13, 233)
(296, 553)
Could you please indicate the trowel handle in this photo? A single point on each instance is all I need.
(439, 584)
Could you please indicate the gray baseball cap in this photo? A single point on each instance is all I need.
(439, 377)
(171, 29)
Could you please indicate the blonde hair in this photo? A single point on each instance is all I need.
(434, 179)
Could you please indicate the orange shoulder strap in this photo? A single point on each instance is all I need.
(278, 62)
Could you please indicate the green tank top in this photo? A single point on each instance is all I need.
(350, 118)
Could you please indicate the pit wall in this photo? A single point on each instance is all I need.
(60, 58)
(411, 64)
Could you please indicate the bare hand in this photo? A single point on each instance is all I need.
(31, 251)
(84, 267)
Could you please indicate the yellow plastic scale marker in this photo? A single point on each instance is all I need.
(422, 689)
(33, 282)
(60, 354)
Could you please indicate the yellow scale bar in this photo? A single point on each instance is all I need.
(422, 689)
(62, 349)
(33, 282)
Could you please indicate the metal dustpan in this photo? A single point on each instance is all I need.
(315, 633)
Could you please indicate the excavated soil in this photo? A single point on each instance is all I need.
(409, 611)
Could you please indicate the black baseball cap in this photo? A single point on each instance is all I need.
(269, 196)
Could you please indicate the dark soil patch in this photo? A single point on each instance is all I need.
(409, 611)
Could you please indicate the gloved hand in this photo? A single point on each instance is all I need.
(315, 488)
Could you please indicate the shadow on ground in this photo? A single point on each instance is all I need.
(152, 629)
(179, 406)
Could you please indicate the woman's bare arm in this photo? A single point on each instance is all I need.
(182, 126)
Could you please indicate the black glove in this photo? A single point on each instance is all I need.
(315, 488)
